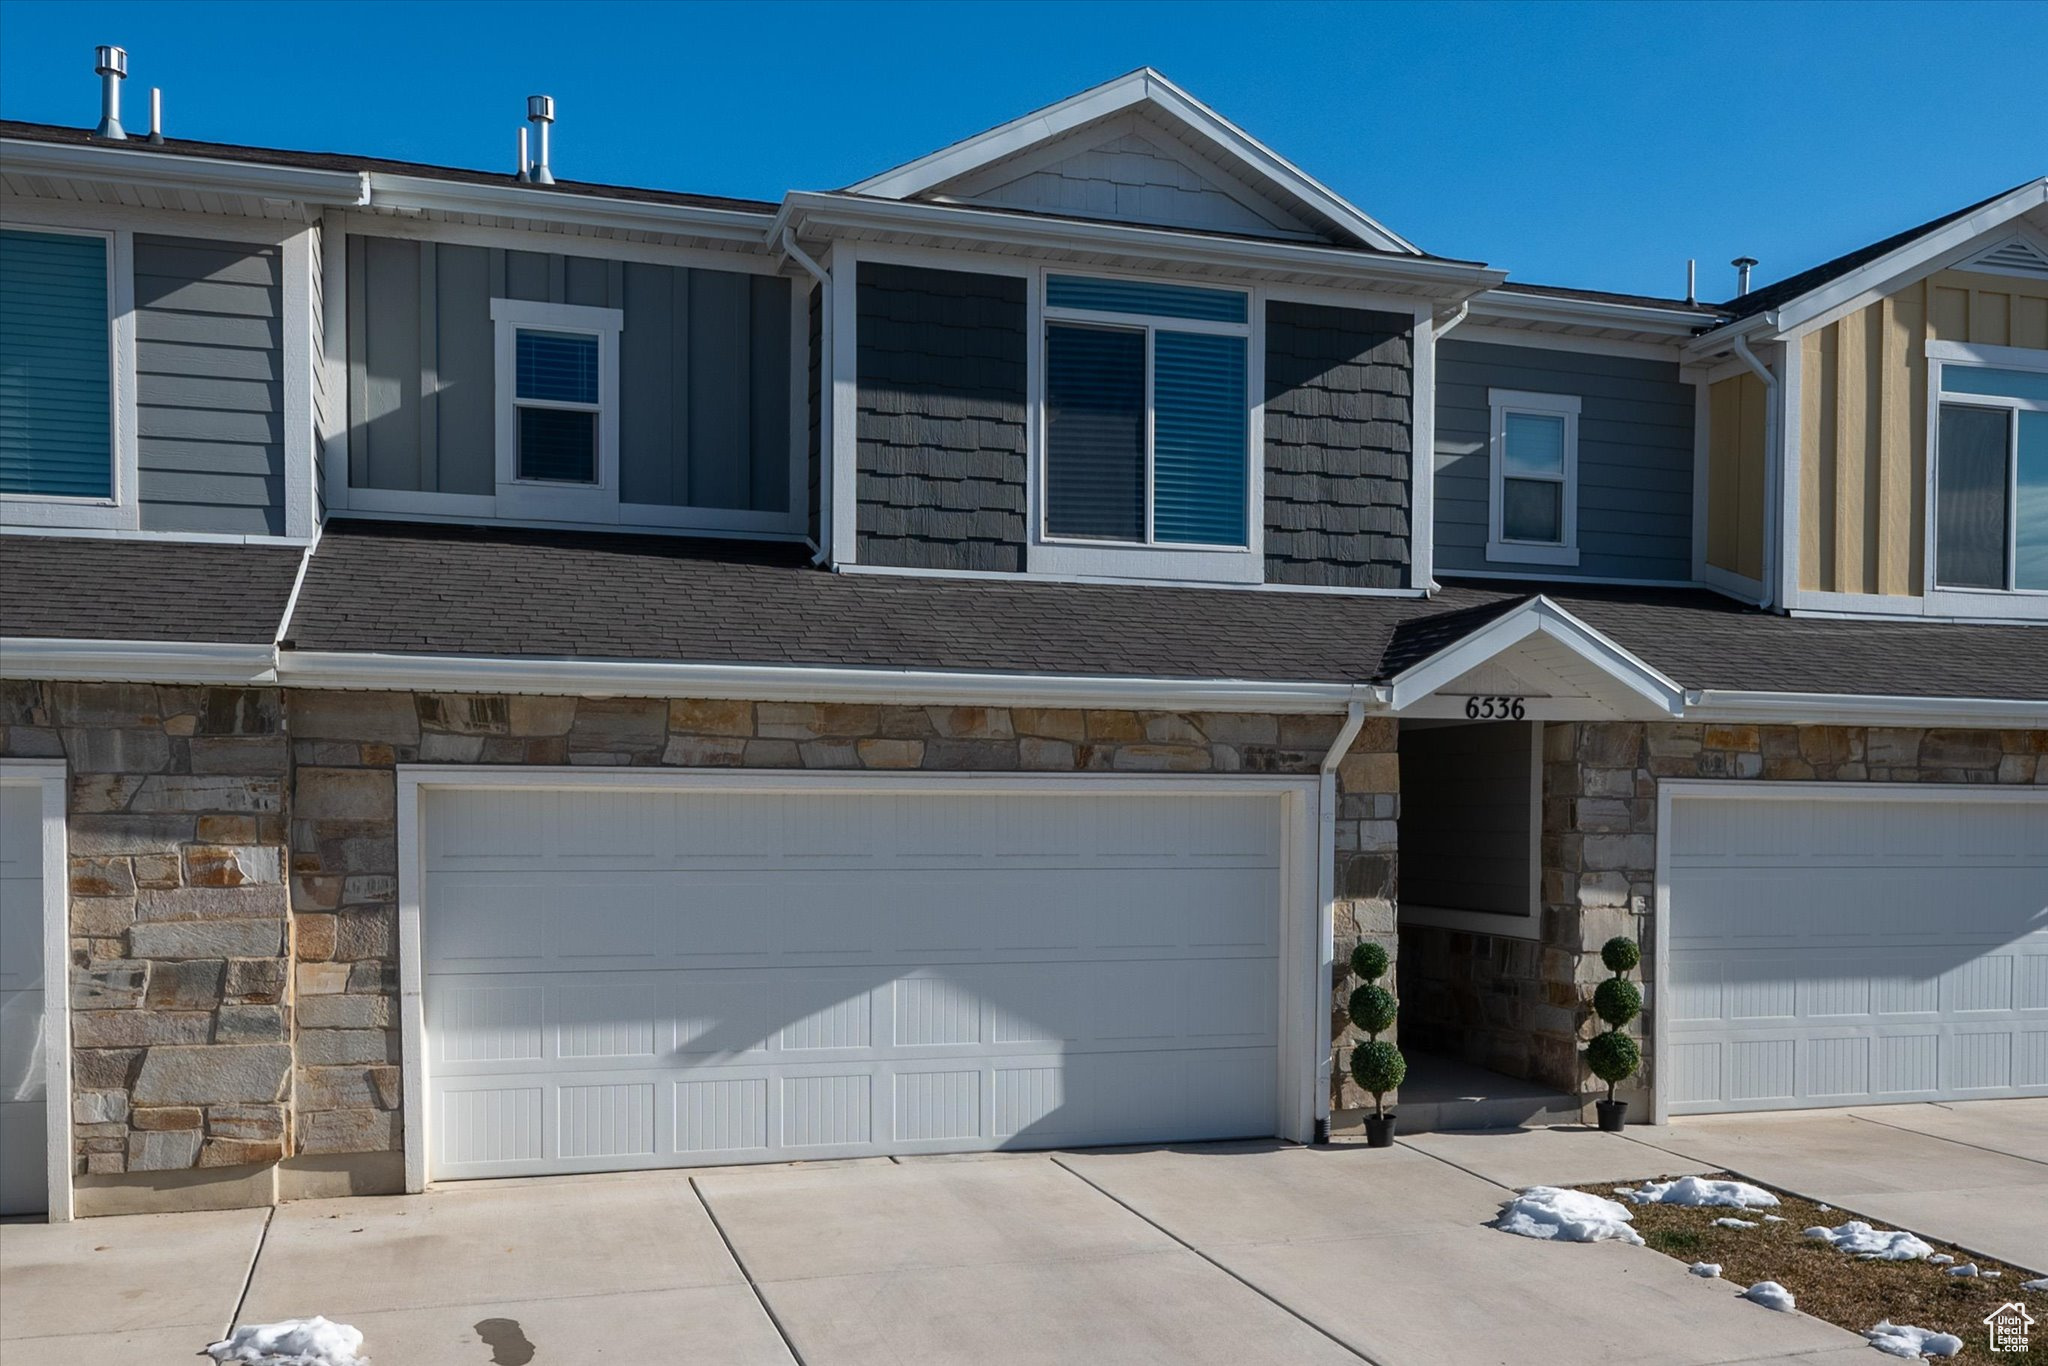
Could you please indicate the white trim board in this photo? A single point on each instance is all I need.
(50, 776)
(1306, 933)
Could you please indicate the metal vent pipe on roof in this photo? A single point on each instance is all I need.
(111, 65)
(540, 112)
(156, 114)
(1743, 266)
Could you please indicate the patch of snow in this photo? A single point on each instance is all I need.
(2041, 1284)
(1970, 1269)
(1904, 1340)
(1774, 1218)
(1825, 1209)
(1708, 1269)
(1770, 1295)
(294, 1342)
(1873, 1244)
(1566, 1216)
(1735, 1223)
(1698, 1190)
(1940, 1259)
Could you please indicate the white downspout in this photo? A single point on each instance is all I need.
(1437, 331)
(1773, 468)
(824, 398)
(1326, 889)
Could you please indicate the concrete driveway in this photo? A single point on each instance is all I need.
(1219, 1254)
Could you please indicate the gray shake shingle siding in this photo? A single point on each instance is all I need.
(940, 427)
(1339, 433)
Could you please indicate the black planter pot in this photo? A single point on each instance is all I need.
(1613, 1114)
(1379, 1130)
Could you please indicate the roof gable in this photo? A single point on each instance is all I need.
(1183, 157)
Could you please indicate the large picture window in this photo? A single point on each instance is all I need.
(1991, 478)
(1147, 413)
(56, 372)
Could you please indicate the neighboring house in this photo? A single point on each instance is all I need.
(511, 678)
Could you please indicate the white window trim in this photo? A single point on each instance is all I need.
(121, 509)
(1499, 549)
(516, 497)
(1976, 602)
(1046, 553)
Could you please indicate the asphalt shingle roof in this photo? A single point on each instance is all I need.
(93, 588)
(490, 591)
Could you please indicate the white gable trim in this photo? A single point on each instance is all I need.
(1937, 250)
(1645, 691)
(1201, 125)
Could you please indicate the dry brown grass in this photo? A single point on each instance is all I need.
(1842, 1289)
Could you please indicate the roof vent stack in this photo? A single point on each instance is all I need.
(156, 115)
(540, 112)
(111, 65)
(1692, 280)
(524, 175)
(1743, 266)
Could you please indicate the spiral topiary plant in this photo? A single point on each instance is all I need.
(1376, 1065)
(1615, 1056)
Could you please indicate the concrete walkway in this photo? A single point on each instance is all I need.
(1255, 1253)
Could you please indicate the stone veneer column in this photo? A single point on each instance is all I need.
(181, 1015)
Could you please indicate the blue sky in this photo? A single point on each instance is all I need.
(1589, 145)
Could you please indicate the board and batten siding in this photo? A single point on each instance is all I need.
(1863, 423)
(703, 370)
(209, 396)
(1736, 424)
(940, 459)
(1340, 424)
(1635, 463)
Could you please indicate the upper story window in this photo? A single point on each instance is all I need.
(1991, 473)
(558, 409)
(1534, 478)
(56, 370)
(1147, 414)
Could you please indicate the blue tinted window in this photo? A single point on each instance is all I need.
(1143, 296)
(55, 426)
(1095, 432)
(557, 367)
(1980, 379)
(1200, 427)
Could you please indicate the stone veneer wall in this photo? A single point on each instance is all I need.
(234, 880)
(1524, 1007)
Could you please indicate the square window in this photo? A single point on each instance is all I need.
(1532, 510)
(560, 367)
(558, 445)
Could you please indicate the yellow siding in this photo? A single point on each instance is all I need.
(1863, 423)
(1735, 475)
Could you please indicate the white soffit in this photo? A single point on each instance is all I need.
(1163, 102)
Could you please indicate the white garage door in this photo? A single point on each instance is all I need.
(24, 1142)
(631, 978)
(1885, 945)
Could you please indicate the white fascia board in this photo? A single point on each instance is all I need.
(175, 171)
(1142, 87)
(1676, 324)
(1922, 255)
(420, 194)
(1816, 709)
(1537, 616)
(637, 678)
(136, 661)
(805, 211)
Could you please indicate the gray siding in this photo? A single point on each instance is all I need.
(209, 399)
(703, 370)
(1339, 433)
(1635, 458)
(940, 431)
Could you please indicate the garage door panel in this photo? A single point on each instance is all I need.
(1918, 973)
(922, 975)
